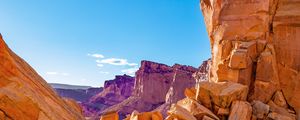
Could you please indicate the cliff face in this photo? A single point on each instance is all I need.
(153, 83)
(25, 95)
(114, 92)
(80, 95)
(256, 43)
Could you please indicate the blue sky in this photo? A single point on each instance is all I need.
(85, 42)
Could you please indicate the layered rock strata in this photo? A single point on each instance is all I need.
(24, 95)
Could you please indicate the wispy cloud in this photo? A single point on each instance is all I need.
(130, 71)
(51, 73)
(57, 73)
(116, 61)
(103, 72)
(100, 65)
(96, 55)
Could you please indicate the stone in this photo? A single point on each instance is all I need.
(145, 116)
(277, 109)
(207, 118)
(223, 112)
(221, 94)
(276, 116)
(110, 116)
(196, 109)
(263, 91)
(279, 99)
(190, 93)
(240, 110)
(25, 95)
(238, 59)
(178, 112)
(260, 110)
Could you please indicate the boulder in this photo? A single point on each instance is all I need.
(196, 109)
(279, 99)
(280, 110)
(276, 116)
(260, 110)
(145, 116)
(178, 112)
(240, 110)
(221, 94)
(110, 116)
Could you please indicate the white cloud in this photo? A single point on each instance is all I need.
(57, 73)
(51, 73)
(96, 55)
(116, 61)
(103, 72)
(100, 65)
(130, 71)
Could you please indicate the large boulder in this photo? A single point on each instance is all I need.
(240, 110)
(220, 94)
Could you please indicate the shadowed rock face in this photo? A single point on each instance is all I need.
(80, 95)
(153, 83)
(25, 95)
(114, 92)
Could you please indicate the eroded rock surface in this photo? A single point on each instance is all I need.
(157, 86)
(25, 95)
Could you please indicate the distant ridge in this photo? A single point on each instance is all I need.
(67, 86)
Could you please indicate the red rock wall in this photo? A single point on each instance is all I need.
(256, 43)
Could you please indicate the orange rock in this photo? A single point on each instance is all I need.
(179, 112)
(221, 94)
(207, 118)
(282, 111)
(279, 99)
(145, 116)
(196, 109)
(276, 116)
(26, 95)
(223, 112)
(190, 93)
(240, 110)
(238, 59)
(110, 116)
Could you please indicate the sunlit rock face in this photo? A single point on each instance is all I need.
(114, 92)
(24, 95)
(155, 85)
(256, 43)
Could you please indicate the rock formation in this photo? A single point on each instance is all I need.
(114, 92)
(24, 95)
(255, 64)
(80, 95)
(156, 85)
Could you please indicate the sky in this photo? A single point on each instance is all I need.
(85, 42)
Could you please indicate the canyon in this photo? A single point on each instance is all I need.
(253, 74)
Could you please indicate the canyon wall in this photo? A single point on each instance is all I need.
(256, 43)
(24, 95)
(153, 82)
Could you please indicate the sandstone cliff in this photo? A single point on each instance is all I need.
(153, 83)
(255, 63)
(114, 92)
(24, 95)
(254, 73)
